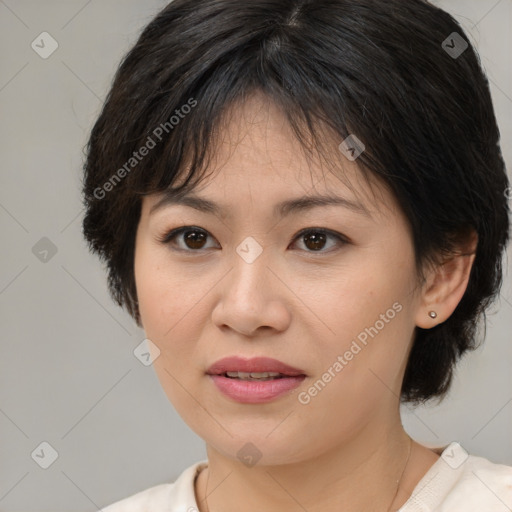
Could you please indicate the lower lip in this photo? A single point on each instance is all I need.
(255, 392)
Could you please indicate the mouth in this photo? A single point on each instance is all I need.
(255, 390)
(258, 368)
(254, 381)
(256, 376)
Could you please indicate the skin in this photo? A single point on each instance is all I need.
(346, 448)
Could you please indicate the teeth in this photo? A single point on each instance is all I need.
(253, 375)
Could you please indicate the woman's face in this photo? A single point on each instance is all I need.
(243, 283)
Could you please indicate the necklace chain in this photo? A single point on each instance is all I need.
(397, 482)
(402, 474)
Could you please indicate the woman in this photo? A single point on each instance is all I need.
(290, 313)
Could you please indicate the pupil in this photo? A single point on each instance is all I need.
(192, 237)
(318, 240)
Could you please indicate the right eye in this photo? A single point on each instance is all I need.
(193, 241)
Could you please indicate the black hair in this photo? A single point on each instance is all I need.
(391, 73)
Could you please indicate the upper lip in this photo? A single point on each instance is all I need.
(254, 365)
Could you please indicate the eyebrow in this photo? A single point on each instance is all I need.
(282, 209)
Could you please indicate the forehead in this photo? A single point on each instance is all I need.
(258, 159)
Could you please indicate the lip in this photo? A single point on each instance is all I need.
(255, 364)
(254, 392)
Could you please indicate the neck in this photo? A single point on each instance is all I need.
(359, 475)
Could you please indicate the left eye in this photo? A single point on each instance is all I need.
(314, 239)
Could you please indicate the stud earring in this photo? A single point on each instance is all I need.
(432, 314)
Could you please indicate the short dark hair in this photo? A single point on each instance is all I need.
(379, 70)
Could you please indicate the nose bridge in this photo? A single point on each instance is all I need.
(250, 265)
(249, 298)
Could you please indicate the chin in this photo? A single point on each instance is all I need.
(257, 449)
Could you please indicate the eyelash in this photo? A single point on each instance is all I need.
(169, 236)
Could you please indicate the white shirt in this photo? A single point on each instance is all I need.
(457, 482)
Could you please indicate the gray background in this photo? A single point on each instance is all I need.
(68, 373)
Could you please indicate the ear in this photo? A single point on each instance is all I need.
(445, 284)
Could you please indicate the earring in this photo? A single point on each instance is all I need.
(432, 314)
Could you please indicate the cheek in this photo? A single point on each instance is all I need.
(368, 315)
(161, 307)
(354, 299)
(169, 310)
(165, 293)
(174, 308)
(169, 314)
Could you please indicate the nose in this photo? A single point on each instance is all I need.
(252, 297)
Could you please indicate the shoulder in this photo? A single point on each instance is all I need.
(459, 482)
(482, 485)
(154, 498)
(177, 496)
